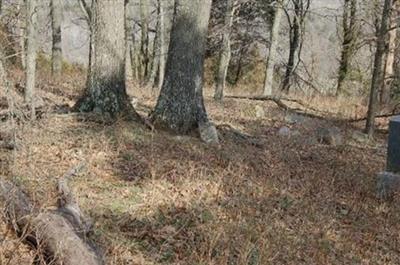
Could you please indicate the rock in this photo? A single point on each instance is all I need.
(293, 118)
(208, 133)
(260, 113)
(387, 183)
(284, 131)
(134, 102)
(329, 136)
(360, 137)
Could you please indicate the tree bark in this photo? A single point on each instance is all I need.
(156, 51)
(378, 67)
(30, 73)
(273, 49)
(349, 24)
(180, 106)
(384, 96)
(163, 43)
(144, 44)
(294, 45)
(225, 54)
(56, 20)
(21, 25)
(106, 91)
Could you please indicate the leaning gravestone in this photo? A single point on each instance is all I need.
(389, 180)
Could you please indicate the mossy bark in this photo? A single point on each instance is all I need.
(106, 91)
(180, 106)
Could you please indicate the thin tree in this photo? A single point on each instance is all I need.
(225, 53)
(377, 76)
(180, 106)
(273, 48)
(56, 20)
(163, 44)
(296, 25)
(349, 38)
(144, 44)
(384, 96)
(31, 54)
(106, 91)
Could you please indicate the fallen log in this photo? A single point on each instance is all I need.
(279, 101)
(53, 233)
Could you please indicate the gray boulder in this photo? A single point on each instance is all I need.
(260, 113)
(387, 183)
(208, 133)
(293, 118)
(329, 135)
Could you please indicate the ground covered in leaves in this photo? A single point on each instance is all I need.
(257, 198)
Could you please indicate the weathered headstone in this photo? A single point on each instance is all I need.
(389, 180)
(393, 153)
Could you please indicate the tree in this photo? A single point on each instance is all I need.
(377, 76)
(349, 38)
(296, 24)
(56, 19)
(144, 44)
(163, 43)
(106, 92)
(390, 55)
(273, 48)
(225, 53)
(31, 50)
(180, 106)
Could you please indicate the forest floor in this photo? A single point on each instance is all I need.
(157, 198)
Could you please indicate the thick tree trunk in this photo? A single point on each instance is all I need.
(106, 92)
(56, 20)
(349, 24)
(144, 44)
(378, 67)
(225, 54)
(180, 106)
(390, 55)
(30, 73)
(273, 49)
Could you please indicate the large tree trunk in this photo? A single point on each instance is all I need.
(349, 24)
(106, 92)
(378, 67)
(273, 49)
(225, 54)
(30, 73)
(180, 106)
(390, 55)
(56, 20)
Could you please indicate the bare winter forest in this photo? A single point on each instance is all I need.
(202, 132)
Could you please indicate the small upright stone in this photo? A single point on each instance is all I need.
(388, 182)
(208, 133)
(260, 113)
(329, 136)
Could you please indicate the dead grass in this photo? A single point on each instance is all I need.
(157, 198)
